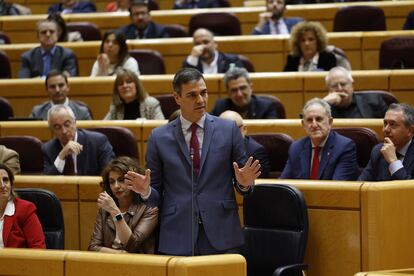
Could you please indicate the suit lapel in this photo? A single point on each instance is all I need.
(80, 158)
(179, 136)
(54, 63)
(38, 62)
(360, 106)
(305, 158)
(409, 156)
(326, 154)
(8, 223)
(208, 134)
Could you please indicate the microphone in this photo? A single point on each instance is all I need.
(192, 200)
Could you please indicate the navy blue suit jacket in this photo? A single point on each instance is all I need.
(32, 63)
(223, 63)
(326, 62)
(151, 31)
(81, 7)
(377, 167)
(338, 160)
(96, 154)
(259, 108)
(409, 22)
(289, 21)
(168, 157)
(258, 152)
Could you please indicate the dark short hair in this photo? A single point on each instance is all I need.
(122, 164)
(11, 178)
(185, 75)
(55, 16)
(138, 3)
(408, 112)
(123, 48)
(54, 73)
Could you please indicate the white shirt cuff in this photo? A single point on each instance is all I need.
(146, 196)
(395, 166)
(59, 164)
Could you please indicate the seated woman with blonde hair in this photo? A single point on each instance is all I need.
(308, 43)
(130, 101)
(124, 224)
(19, 225)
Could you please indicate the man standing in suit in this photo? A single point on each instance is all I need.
(273, 22)
(345, 104)
(38, 61)
(74, 151)
(252, 147)
(142, 26)
(57, 87)
(241, 98)
(204, 56)
(323, 154)
(393, 159)
(193, 164)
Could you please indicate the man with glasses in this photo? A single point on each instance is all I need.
(73, 151)
(345, 104)
(241, 98)
(272, 21)
(142, 26)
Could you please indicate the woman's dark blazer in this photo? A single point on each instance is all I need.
(326, 62)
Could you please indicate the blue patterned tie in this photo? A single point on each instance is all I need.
(47, 61)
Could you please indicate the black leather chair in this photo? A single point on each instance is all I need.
(5, 67)
(364, 138)
(30, 153)
(275, 231)
(247, 63)
(168, 104)
(396, 53)
(89, 31)
(122, 140)
(150, 61)
(4, 39)
(6, 110)
(280, 108)
(277, 147)
(176, 30)
(49, 212)
(219, 23)
(359, 18)
(388, 97)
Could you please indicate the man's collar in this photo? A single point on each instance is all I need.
(186, 124)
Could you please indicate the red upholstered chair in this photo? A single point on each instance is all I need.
(5, 67)
(150, 61)
(364, 138)
(168, 104)
(280, 108)
(6, 110)
(29, 149)
(397, 53)
(89, 31)
(388, 97)
(220, 23)
(122, 140)
(359, 18)
(246, 63)
(277, 147)
(176, 30)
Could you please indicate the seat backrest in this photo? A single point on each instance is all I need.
(176, 30)
(122, 140)
(150, 62)
(4, 39)
(246, 63)
(396, 53)
(89, 31)
(49, 212)
(168, 104)
(388, 97)
(6, 110)
(30, 153)
(276, 228)
(280, 108)
(82, 103)
(340, 56)
(359, 18)
(364, 138)
(5, 67)
(219, 23)
(277, 147)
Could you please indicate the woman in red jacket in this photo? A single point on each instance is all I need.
(19, 225)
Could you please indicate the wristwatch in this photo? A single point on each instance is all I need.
(117, 217)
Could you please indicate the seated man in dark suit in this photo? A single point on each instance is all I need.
(72, 6)
(345, 104)
(142, 26)
(74, 151)
(273, 22)
(252, 147)
(204, 56)
(196, 4)
(393, 159)
(38, 61)
(323, 154)
(241, 98)
(57, 87)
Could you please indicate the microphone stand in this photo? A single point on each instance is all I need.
(192, 200)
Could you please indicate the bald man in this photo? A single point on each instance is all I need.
(204, 56)
(252, 147)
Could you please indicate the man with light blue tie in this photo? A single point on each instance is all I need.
(273, 22)
(38, 61)
(194, 162)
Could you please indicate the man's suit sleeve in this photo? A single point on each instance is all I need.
(154, 163)
(24, 71)
(69, 63)
(239, 156)
(347, 168)
(261, 155)
(105, 152)
(271, 112)
(370, 171)
(48, 164)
